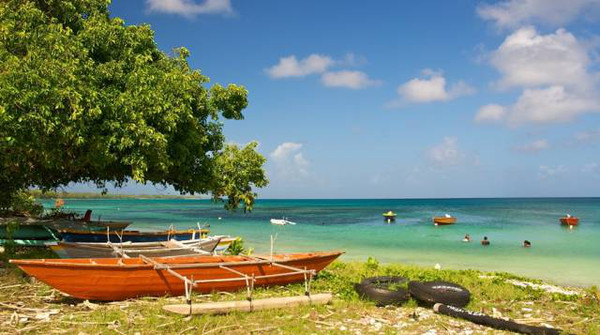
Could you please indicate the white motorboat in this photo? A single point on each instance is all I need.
(282, 222)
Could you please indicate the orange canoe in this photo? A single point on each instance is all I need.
(118, 279)
(443, 220)
(569, 220)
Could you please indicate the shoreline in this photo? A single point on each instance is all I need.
(93, 195)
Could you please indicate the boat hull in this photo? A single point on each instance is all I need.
(570, 221)
(151, 249)
(27, 235)
(69, 235)
(443, 221)
(109, 279)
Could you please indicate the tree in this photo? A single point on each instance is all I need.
(85, 98)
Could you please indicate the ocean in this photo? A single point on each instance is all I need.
(558, 254)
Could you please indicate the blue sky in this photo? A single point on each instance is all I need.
(402, 99)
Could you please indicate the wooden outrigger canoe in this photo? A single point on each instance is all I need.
(117, 279)
(71, 235)
(135, 249)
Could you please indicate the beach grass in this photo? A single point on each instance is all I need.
(28, 306)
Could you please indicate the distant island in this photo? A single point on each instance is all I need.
(38, 194)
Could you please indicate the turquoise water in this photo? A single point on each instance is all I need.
(557, 254)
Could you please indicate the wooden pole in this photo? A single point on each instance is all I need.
(248, 306)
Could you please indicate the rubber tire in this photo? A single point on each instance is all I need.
(377, 289)
(439, 292)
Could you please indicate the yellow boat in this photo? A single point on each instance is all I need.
(389, 216)
(444, 220)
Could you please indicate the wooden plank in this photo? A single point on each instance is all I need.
(249, 306)
(275, 263)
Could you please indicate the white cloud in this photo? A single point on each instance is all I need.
(514, 13)
(528, 59)
(535, 146)
(592, 168)
(546, 172)
(553, 72)
(432, 87)
(289, 162)
(348, 79)
(548, 105)
(190, 8)
(291, 67)
(491, 113)
(352, 60)
(446, 153)
(588, 136)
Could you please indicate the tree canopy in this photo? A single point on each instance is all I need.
(86, 98)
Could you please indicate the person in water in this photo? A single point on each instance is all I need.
(526, 244)
(485, 241)
(467, 238)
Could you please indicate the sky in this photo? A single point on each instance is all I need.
(401, 99)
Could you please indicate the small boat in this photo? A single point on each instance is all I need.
(282, 222)
(27, 234)
(224, 243)
(123, 278)
(135, 249)
(569, 220)
(71, 235)
(86, 221)
(389, 216)
(444, 220)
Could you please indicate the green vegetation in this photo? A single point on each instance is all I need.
(22, 203)
(86, 98)
(237, 248)
(491, 294)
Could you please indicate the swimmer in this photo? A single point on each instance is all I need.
(467, 238)
(485, 241)
(526, 244)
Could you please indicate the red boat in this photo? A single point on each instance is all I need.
(569, 220)
(118, 279)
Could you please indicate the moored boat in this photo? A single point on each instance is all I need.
(282, 222)
(87, 220)
(569, 220)
(117, 279)
(27, 234)
(72, 235)
(389, 216)
(224, 243)
(135, 249)
(444, 220)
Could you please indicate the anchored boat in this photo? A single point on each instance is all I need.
(389, 216)
(119, 278)
(135, 249)
(569, 220)
(72, 235)
(282, 222)
(444, 220)
(27, 234)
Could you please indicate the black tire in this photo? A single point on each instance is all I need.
(439, 292)
(378, 289)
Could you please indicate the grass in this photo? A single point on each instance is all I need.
(348, 313)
